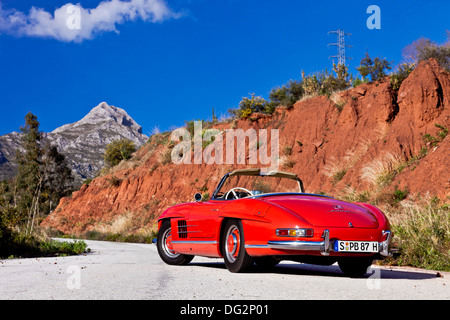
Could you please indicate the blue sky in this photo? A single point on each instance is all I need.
(199, 55)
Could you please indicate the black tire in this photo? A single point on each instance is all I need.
(165, 251)
(355, 267)
(233, 247)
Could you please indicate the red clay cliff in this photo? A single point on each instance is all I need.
(336, 145)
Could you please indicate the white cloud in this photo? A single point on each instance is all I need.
(75, 23)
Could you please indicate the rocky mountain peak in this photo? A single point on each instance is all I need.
(82, 142)
(104, 113)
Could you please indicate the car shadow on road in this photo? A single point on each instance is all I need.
(326, 271)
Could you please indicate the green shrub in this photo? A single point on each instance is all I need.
(118, 150)
(63, 248)
(358, 81)
(399, 195)
(14, 244)
(374, 68)
(205, 196)
(325, 83)
(442, 132)
(286, 95)
(400, 75)
(248, 105)
(311, 85)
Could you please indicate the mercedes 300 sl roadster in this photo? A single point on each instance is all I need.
(265, 217)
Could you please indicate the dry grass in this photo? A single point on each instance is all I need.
(381, 172)
(351, 195)
(125, 228)
(308, 96)
(422, 232)
(165, 157)
(123, 224)
(337, 168)
(338, 101)
(287, 163)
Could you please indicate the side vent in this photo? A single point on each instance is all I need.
(182, 229)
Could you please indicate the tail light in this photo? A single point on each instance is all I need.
(302, 233)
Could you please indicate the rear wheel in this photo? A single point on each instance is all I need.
(165, 247)
(233, 247)
(355, 267)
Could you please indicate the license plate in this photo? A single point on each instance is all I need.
(356, 246)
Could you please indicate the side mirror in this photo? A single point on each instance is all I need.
(198, 197)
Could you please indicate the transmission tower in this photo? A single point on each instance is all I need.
(341, 46)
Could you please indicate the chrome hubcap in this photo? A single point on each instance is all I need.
(233, 244)
(167, 244)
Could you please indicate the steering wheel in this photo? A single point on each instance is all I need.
(234, 193)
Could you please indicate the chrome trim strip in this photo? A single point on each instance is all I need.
(296, 245)
(195, 242)
(256, 246)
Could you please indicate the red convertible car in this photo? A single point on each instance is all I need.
(265, 217)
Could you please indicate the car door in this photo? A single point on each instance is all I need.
(203, 219)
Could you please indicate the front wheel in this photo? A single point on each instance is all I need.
(233, 247)
(165, 247)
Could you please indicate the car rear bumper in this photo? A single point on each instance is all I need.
(326, 246)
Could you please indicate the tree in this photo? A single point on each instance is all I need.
(29, 179)
(118, 150)
(57, 176)
(375, 68)
(43, 176)
(424, 49)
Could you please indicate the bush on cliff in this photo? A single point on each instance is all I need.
(117, 151)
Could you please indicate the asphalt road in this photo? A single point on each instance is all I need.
(135, 271)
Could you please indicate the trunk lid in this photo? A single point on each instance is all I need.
(324, 211)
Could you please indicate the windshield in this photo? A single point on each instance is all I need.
(241, 186)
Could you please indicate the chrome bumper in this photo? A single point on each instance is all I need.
(326, 245)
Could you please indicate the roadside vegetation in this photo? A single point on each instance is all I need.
(43, 178)
(421, 226)
(125, 228)
(422, 232)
